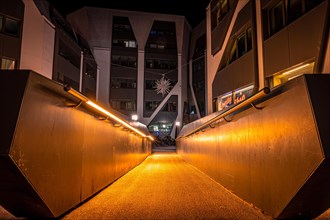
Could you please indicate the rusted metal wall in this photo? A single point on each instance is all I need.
(275, 158)
(56, 156)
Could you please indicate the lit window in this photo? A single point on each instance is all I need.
(132, 44)
(161, 46)
(7, 64)
(291, 73)
(242, 94)
(225, 101)
(219, 10)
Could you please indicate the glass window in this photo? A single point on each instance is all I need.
(225, 101)
(249, 39)
(130, 43)
(241, 45)
(7, 64)
(224, 7)
(1, 21)
(150, 84)
(310, 4)
(276, 18)
(151, 105)
(295, 9)
(242, 94)
(11, 26)
(233, 55)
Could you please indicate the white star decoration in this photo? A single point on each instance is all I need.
(163, 86)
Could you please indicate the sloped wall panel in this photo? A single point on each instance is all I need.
(58, 155)
(275, 157)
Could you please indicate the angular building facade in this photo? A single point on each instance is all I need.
(35, 36)
(253, 44)
(143, 63)
(265, 134)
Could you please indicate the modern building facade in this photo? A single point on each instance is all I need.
(133, 62)
(35, 36)
(197, 74)
(143, 63)
(11, 22)
(156, 67)
(253, 44)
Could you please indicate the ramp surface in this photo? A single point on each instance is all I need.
(164, 186)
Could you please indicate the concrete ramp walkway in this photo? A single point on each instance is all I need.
(164, 186)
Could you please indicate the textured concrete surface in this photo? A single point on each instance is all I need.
(165, 187)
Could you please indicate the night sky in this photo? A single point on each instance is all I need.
(193, 10)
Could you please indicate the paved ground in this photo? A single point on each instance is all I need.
(165, 187)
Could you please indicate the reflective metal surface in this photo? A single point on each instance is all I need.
(274, 157)
(58, 155)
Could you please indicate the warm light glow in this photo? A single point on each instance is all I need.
(285, 76)
(75, 93)
(230, 110)
(177, 123)
(296, 69)
(151, 138)
(114, 117)
(92, 104)
(134, 117)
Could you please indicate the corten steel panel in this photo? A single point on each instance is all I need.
(272, 157)
(58, 155)
(98, 165)
(126, 153)
(47, 147)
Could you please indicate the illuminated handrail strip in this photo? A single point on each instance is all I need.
(99, 108)
(246, 102)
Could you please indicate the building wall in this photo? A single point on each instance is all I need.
(196, 89)
(11, 22)
(38, 41)
(95, 24)
(276, 56)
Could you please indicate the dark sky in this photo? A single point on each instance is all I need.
(193, 10)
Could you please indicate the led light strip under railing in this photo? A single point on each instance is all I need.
(84, 99)
(246, 102)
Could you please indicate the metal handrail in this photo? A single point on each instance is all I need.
(261, 93)
(84, 99)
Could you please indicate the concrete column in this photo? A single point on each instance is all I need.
(103, 57)
(140, 84)
(260, 45)
(179, 93)
(81, 72)
(192, 89)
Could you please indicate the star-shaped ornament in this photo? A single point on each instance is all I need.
(163, 86)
